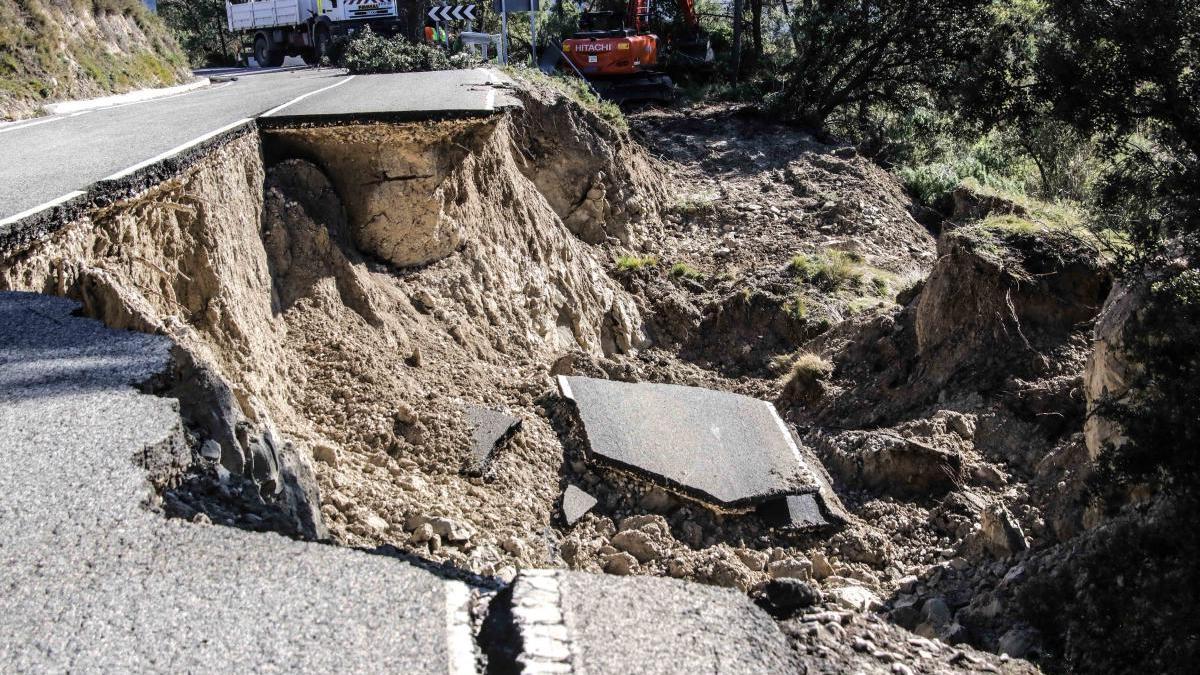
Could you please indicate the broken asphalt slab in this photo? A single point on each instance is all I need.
(728, 450)
(490, 429)
(575, 503)
(567, 622)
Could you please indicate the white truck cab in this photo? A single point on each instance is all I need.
(306, 27)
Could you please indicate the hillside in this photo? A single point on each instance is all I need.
(54, 50)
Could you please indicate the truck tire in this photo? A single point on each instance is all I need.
(266, 57)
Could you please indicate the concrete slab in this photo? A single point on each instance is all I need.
(576, 503)
(490, 429)
(94, 581)
(729, 450)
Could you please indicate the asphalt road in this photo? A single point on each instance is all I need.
(91, 580)
(49, 158)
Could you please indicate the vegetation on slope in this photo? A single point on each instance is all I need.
(54, 50)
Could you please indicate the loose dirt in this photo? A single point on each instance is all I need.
(355, 304)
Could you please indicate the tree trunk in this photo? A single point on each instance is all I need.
(737, 39)
(756, 7)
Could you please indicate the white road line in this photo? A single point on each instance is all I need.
(565, 387)
(40, 207)
(164, 98)
(301, 97)
(176, 150)
(492, 82)
(460, 638)
(26, 125)
(787, 433)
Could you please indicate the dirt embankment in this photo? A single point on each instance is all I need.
(56, 50)
(343, 295)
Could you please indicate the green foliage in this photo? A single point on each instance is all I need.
(797, 307)
(694, 205)
(583, 95)
(831, 270)
(809, 367)
(685, 271)
(368, 53)
(45, 56)
(632, 263)
(988, 161)
(855, 52)
(200, 28)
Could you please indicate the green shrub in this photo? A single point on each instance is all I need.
(368, 52)
(685, 271)
(632, 263)
(831, 270)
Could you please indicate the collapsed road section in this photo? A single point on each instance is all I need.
(348, 331)
(274, 317)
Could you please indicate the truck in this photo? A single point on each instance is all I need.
(306, 28)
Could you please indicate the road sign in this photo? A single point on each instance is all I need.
(516, 6)
(452, 12)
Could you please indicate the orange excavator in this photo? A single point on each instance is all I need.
(620, 56)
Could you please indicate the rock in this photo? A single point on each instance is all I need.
(963, 425)
(888, 462)
(936, 611)
(422, 534)
(404, 413)
(445, 528)
(1111, 370)
(377, 524)
(1018, 642)
(575, 503)
(784, 597)
(637, 543)
(754, 560)
(856, 598)
(657, 501)
(905, 612)
(989, 475)
(210, 450)
(652, 524)
(790, 568)
(620, 564)
(1000, 533)
(821, 568)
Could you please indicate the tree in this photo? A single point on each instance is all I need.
(852, 52)
(199, 25)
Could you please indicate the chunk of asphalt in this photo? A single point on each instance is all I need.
(728, 450)
(794, 512)
(575, 503)
(490, 429)
(580, 622)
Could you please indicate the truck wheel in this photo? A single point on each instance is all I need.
(266, 57)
